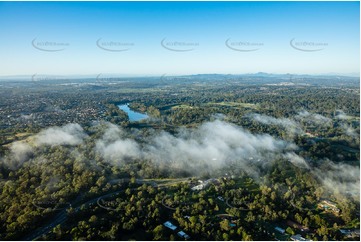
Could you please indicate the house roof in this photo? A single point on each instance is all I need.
(170, 225)
(298, 237)
(184, 235)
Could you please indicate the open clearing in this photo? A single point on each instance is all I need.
(235, 104)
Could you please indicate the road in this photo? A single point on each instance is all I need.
(62, 216)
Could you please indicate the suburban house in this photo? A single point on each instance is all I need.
(183, 235)
(293, 224)
(220, 198)
(282, 231)
(198, 187)
(204, 184)
(169, 225)
(298, 237)
(328, 205)
(350, 233)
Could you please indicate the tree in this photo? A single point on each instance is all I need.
(322, 230)
(290, 231)
(298, 218)
(250, 217)
(193, 220)
(335, 226)
(225, 237)
(224, 225)
(158, 232)
(58, 231)
(93, 219)
(128, 191)
(273, 196)
(246, 237)
(306, 222)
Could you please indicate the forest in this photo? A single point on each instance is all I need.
(219, 157)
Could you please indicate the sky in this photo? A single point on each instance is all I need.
(179, 38)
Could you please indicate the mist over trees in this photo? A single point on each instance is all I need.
(272, 154)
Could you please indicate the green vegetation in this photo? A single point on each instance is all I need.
(85, 187)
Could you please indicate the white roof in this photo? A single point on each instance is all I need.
(280, 229)
(181, 233)
(184, 235)
(298, 237)
(199, 187)
(170, 225)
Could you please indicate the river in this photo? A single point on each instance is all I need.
(133, 116)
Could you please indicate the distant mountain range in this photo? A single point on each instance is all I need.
(201, 76)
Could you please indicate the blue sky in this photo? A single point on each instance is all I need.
(325, 38)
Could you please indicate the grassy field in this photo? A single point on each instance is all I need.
(181, 106)
(17, 137)
(135, 90)
(235, 104)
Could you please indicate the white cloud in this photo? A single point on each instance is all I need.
(313, 118)
(291, 126)
(70, 134)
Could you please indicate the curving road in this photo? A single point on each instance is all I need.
(62, 216)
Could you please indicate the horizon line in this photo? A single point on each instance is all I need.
(119, 75)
